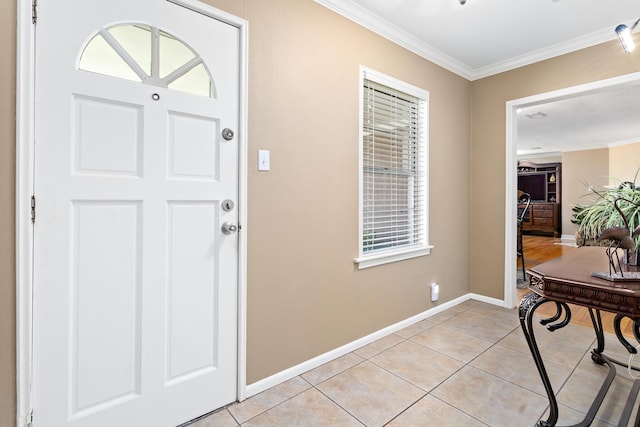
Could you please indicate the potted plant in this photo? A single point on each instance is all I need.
(615, 206)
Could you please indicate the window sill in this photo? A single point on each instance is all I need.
(388, 257)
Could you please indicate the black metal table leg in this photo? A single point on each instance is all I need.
(527, 309)
(528, 306)
(596, 320)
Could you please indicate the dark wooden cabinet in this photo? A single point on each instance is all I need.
(542, 217)
(543, 182)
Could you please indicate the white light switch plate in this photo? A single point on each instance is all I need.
(263, 160)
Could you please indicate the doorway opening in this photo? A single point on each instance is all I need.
(512, 108)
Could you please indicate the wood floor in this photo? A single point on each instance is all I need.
(539, 249)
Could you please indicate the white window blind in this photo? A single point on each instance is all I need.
(393, 175)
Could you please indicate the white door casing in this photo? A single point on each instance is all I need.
(135, 287)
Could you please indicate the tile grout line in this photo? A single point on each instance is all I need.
(425, 393)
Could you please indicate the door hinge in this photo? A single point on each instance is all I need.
(34, 11)
(30, 420)
(33, 209)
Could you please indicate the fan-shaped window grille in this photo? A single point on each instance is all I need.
(148, 55)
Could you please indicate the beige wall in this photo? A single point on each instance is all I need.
(624, 163)
(542, 159)
(581, 169)
(7, 217)
(305, 295)
(489, 96)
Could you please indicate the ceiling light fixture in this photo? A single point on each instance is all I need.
(624, 34)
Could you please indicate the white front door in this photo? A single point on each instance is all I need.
(135, 283)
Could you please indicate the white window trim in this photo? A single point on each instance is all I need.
(407, 252)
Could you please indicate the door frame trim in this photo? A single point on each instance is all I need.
(511, 166)
(25, 169)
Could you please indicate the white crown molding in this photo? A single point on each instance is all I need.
(549, 52)
(526, 156)
(624, 142)
(384, 28)
(576, 146)
(586, 147)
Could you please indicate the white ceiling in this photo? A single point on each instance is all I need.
(592, 119)
(486, 37)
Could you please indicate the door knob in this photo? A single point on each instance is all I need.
(227, 134)
(228, 228)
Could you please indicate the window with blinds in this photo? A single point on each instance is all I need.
(393, 174)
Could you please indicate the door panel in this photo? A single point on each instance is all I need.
(191, 153)
(106, 256)
(107, 137)
(135, 285)
(192, 227)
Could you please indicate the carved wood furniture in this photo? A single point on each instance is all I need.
(544, 217)
(568, 279)
(543, 182)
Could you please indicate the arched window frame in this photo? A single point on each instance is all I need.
(153, 78)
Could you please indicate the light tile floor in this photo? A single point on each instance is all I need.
(467, 366)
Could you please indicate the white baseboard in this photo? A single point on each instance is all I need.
(568, 238)
(294, 371)
(488, 300)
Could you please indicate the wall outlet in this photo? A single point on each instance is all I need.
(435, 291)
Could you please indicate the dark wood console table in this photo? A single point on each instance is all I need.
(568, 279)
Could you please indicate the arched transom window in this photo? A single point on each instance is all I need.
(146, 54)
